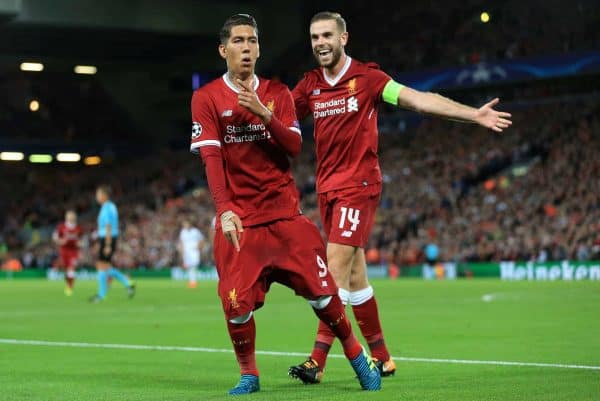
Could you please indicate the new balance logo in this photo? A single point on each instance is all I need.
(347, 234)
(352, 104)
(227, 113)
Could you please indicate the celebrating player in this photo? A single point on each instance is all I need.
(108, 232)
(342, 96)
(191, 243)
(68, 238)
(245, 128)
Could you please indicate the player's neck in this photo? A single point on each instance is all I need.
(333, 72)
(248, 79)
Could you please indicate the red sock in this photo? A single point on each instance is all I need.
(334, 316)
(367, 317)
(325, 338)
(243, 337)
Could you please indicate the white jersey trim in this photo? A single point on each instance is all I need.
(234, 88)
(333, 81)
(209, 142)
(296, 130)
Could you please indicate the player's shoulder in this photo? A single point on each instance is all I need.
(365, 66)
(207, 90)
(312, 75)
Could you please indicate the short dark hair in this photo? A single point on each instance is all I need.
(104, 188)
(235, 20)
(328, 16)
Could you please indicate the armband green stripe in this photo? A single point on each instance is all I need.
(391, 91)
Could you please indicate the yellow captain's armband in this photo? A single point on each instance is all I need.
(391, 91)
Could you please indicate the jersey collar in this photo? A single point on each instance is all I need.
(335, 80)
(234, 88)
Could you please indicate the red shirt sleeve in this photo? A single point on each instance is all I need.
(217, 181)
(205, 124)
(206, 141)
(284, 126)
(301, 99)
(377, 81)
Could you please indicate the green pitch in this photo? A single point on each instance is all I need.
(485, 320)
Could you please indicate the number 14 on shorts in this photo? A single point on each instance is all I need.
(351, 216)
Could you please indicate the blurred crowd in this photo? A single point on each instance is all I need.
(434, 33)
(148, 192)
(515, 29)
(531, 193)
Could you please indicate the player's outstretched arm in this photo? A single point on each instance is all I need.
(437, 105)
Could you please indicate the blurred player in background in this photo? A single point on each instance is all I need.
(342, 96)
(245, 129)
(191, 244)
(67, 236)
(108, 234)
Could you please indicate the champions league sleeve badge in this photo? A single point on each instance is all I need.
(196, 130)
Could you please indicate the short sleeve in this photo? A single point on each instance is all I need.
(377, 81)
(205, 125)
(300, 99)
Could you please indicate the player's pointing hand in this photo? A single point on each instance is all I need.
(232, 228)
(249, 99)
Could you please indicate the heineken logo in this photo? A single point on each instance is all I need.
(565, 270)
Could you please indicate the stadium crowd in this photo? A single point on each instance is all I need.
(516, 29)
(532, 193)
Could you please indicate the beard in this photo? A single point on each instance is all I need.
(336, 54)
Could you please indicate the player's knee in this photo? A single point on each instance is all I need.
(339, 261)
(241, 319)
(320, 303)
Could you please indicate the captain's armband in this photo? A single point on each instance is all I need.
(391, 91)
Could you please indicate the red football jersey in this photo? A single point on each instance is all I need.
(344, 111)
(257, 170)
(71, 233)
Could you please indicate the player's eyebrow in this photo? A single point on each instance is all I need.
(244, 37)
(326, 34)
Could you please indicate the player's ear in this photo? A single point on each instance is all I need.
(344, 38)
(223, 51)
(257, 51)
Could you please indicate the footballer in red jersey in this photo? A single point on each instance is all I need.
(245, 129)
(342, 96)
(68, 238)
